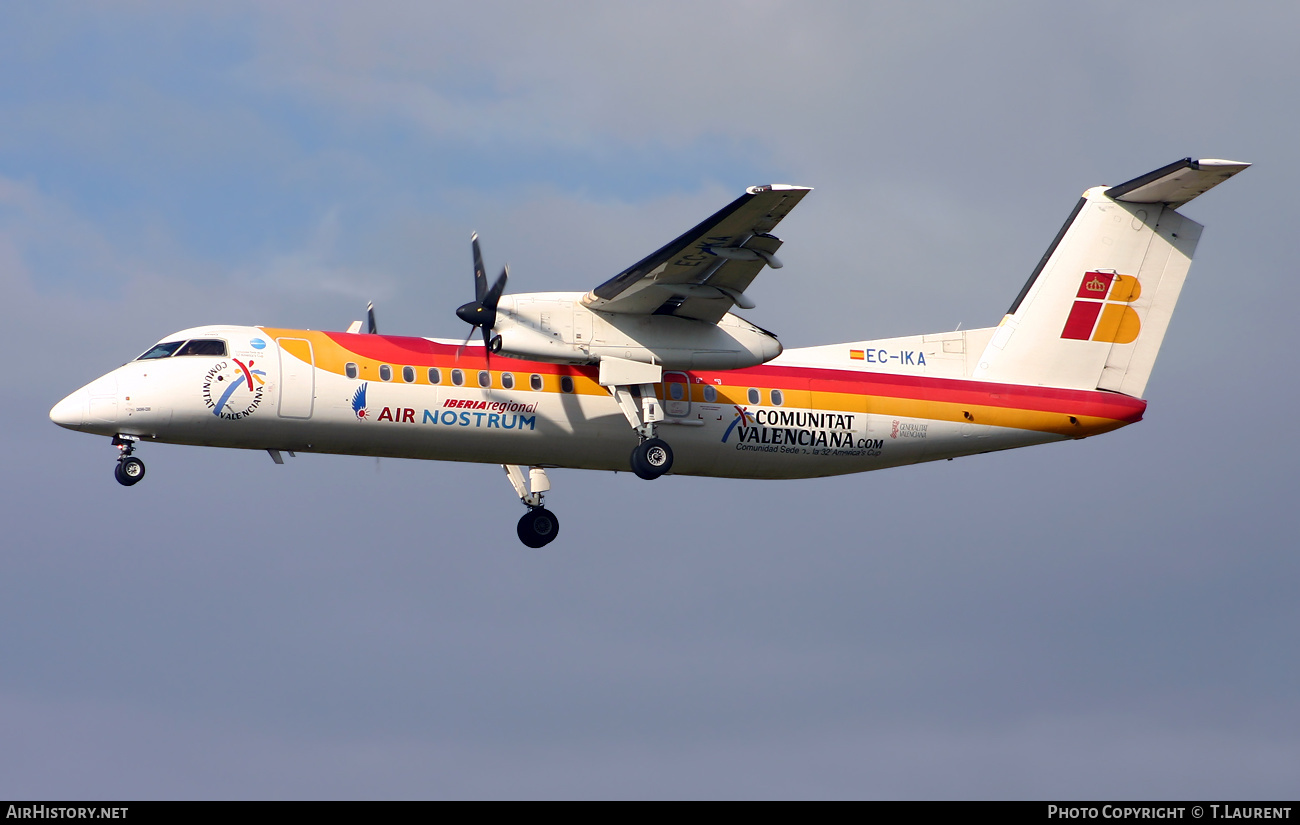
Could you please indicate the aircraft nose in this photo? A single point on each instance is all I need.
(71, 411)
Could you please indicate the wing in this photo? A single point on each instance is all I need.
(706, 271)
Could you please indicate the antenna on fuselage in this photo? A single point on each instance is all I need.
(371, 327)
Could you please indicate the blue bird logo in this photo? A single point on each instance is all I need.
(359, 402)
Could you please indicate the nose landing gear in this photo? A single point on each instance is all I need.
(129, 470)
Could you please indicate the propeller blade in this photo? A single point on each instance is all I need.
(464, 344)
(480, 274)
(371, 326)
(494, 294)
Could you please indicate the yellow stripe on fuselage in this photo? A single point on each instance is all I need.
(332, 357)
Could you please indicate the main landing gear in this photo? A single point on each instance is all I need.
(539, 526)
(632, 384)
(652, 458)
(129, 470)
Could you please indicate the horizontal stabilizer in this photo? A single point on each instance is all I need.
(1177, 183)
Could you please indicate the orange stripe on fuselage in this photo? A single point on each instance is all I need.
(1067, 412)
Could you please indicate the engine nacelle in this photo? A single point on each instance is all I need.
(556, 327)
(521, 341)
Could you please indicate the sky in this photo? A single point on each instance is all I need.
(1102, 619)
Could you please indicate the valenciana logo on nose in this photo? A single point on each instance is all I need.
(233, 389)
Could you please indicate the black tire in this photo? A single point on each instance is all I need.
(652, 458)
(538, 527)
(129, 471)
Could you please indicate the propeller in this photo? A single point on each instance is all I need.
(481, 312)
(371, 326)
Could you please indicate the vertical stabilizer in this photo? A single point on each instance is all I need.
(1095, 310)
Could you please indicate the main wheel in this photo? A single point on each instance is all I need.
(129, 471)
(538, 527)
(652, 458)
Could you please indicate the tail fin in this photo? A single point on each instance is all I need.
(1095, 310)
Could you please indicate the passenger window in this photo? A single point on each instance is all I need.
(535, 381)
(161, 350)
(508, 380)
(484, 378)
(778, 398)
(203, 346)
(566, 384)
(710, 393)
(408, 374)
(435, 375)
(351, 369)
(457, 377)
(675, 391)
(754, 396)
(385, 372)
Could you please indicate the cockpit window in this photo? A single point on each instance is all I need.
(203, 346)
(161, 350)
(197, 346)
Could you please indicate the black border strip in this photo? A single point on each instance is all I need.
(1116, 192)
(1078, 207)
(633, 273)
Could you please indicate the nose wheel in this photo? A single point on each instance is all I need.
(129, 470)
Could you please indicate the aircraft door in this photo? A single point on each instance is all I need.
(677, 394)
(297, 378)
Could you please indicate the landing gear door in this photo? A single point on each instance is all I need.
(677, 394)
(297, 378)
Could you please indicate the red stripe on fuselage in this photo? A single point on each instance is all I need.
(420, 352)
(959, 390)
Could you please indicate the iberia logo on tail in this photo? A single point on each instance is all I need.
(1101, 310)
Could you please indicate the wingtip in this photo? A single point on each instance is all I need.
(1204, 162)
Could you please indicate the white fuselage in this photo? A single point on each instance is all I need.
(815, 412)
